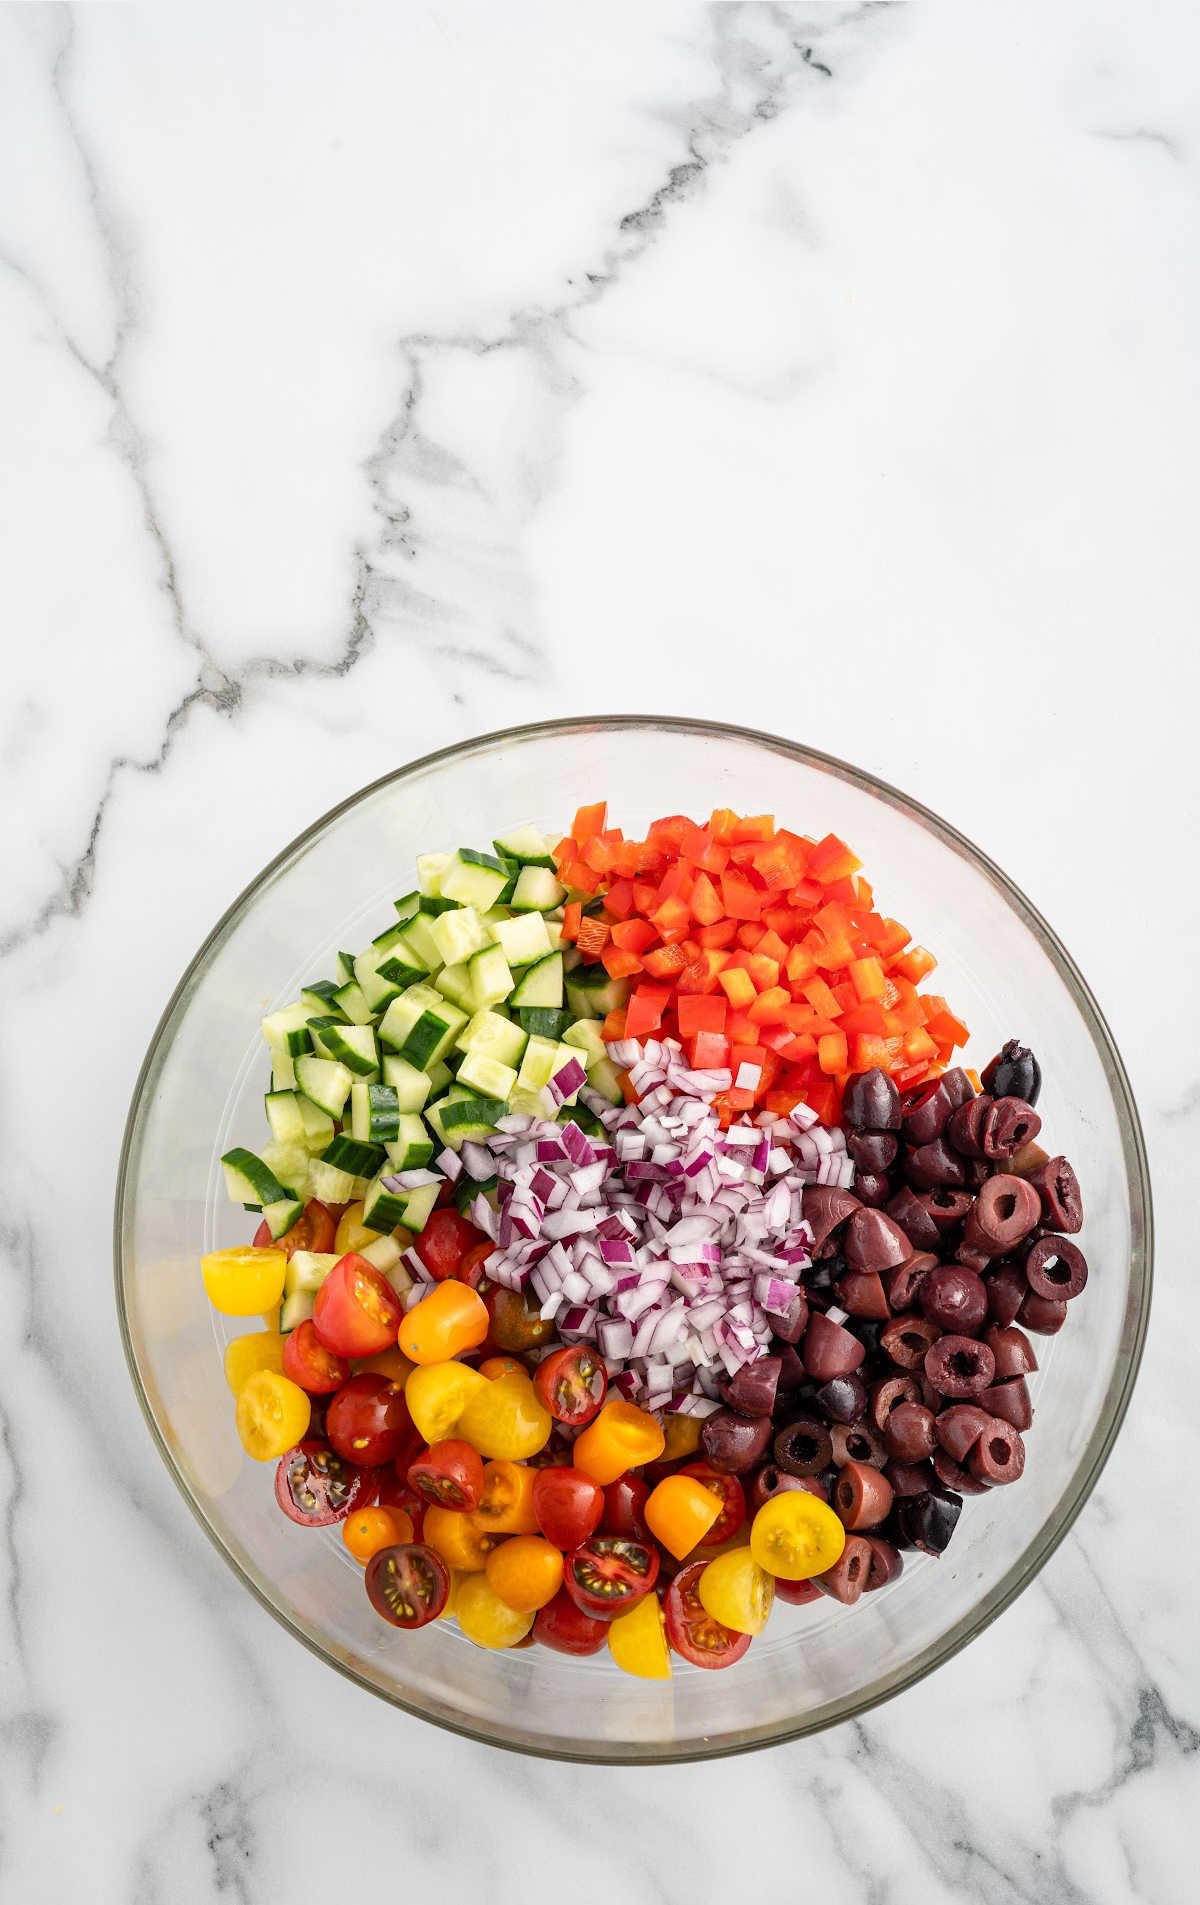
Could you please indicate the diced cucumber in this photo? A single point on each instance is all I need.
(588, 1035)
(487, 1076)
(474, 879)
(307, 1270)
(297, 1308)
(591, 994)
(330, 1185)
(385, 1254)
(532, 1104)
(378, 992)
(345, 967)
(440, 1078)
(349, 1155)
(351, 1002)
(545, 1021)
(410, 944)
(467, 1189)
(524, 939)
(318, 1126)
(288, 1029)
(326, 1081)
(542, 983)
(602, 1077)
(585, 1119)
(462, 1114)
(410, 1085)
(459, 933)
(420, 1025)
(526, 845)
(513, 870)
(289, 1163)
(412, 1147)
(491, 977)
(413, 903)
(538, 1064)
(283, 1116)
(383, 1209)
(353, 1045)
(454, 983)
(374, 1112)
(536, 891)
(493, 1036)
(420, 1206)
(430, 868)
(321, 995)
(248, 1180)
(282, 1215)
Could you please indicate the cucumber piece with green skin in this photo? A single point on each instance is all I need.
(491, 977)
(459, 933)
(347, 1154)
(345, 967)
(248, 1180)
(585, 1119)
(412, 903)
(307, 1270)
(297, 1308)
(526, 845)
(538, 1064)
(352, 1045)
(289, 1163)
(542, 1021)
(374, 1112)
(493, 1036)
(330, 1185)
(412, 942)
(412, 1087)
(602, 1077)
(454, 983)
(351, 1002)
(318, 1125)
(440, 1078)
(283, 1116)
(378, 992)
(383, 1209)
(588, 1036)
(475, 879)
(523, 940)
(421, 1026)
(430, 868)
(541, 984)
(513, 871)
(412, 1147)
(385, 1254)
(280, 1217)
(326, 1081)
(467, 1189)
(288, 1028)
(321, 996)
(487, 1076)
(591, 994)
(420, 1206)
(536, 891)
(462, 1114)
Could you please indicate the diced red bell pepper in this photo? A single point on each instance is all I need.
(737, 985)
(742, 901)
(619, 964)
(665, 962)
(697, 1014)
(643, 1014)
(572, 914)
(708, 1051)
(590, 820)
(592, 937)
(634, 935)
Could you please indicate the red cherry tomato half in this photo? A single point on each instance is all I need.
(307, 1362)
(444, 1243)
(567, 1629)
(572, 1383)
(473, 1267)
(610, 1574)
(314, 1229)
(568, 1506)
(624, 1508)
(314, 1487)
(797, 1593)
(395, 1491)
(368, 1420)
(357, 1312)
(691, 1631)
(732, 1496)
(448, 1475)
(408, 1584)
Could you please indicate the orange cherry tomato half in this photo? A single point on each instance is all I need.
(572, 1384)
(506, 1506)
(371, 1529)
(357, 1312)
(446, 1323)
(730, 1494)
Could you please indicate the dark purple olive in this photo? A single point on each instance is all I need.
(803, 1447)
(959, 1428)
(910, 1478)
(734, 1443)
(929, 1520)
(1013, 1351)
(998, 1456)
(886, 1562)
(874, 1241)
(792, 1373)
(772, 1480)
(887, 1395)
(873, 1150)
(844, 1398)
(860, 1293)
(914, 1220)
(1005, 1211)
(1010, 1401)
(945, 1209)
(908, 1339)
(1062, 1201)
(790, 1327)
(1014, 1073)
(952, 1475)
(871, 1102)
(926, 1109)
(752, 1391)
(902, 1284)
(825, 1206)
(955, 1299)
(862, 1495)
(958, 1367)
(856, 1442)
(849, 1575)
(1042, 1315)
(1055, 1268)
(1010, 1124)
(1007, 1290)
(873, 1189)
(909, 1434)
(829, 1350)
(967, 1126)
(932, 1167)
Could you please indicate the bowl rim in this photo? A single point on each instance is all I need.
(1091, 1464)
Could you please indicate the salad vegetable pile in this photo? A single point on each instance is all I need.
(632, 1252)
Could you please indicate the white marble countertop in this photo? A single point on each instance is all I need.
(372, 376)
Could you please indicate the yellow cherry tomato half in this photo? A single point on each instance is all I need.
(371, 1529)
(246, 1355)
(272, 1415)
(506, 1505)
(683, 1437)
(795, 1536)
(463, 1545)
(448, 1322)
(244, 1282)
(680, 1512)
(456, 1581)
(437, 1395)
(735, 1590)
(505, 1419)
(484, 1617)
(637, 1641)
(525, 1572)
(622, 1437)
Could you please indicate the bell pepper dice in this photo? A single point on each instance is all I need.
(708, 1051)
(701, 1014)
(645, 1009)
(737, 986)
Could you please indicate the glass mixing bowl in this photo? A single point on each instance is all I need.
(200, 1091)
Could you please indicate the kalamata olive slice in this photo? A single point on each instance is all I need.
(862, 1497)
(1010, 1124)
(1042, 1315)
(734, 1443)
(929, 1520)
(958, 1366)
(873, 1150)
(843, 1398)
(861, 1293)
(790, 1327)
(887, 1395)
(773, 1480)
(1062, 1202)
(998, 1456)
(824, 1207)
(752, 1391)
(1005, 1211)
(951, 1474)
(925, 1110)
(873, 1188)
(856, 1442)
(914, 1220)
(1010, 1401)
(902, 1285)
(874, 1241)
(908, 1434)
(1014, 1073)
(871, 1102)
(1006, 1290)
(966, 1127)
(1055, 1268)
(954, 1298)
(886, 1562)
(1013, 1351)
(907, 1340)
(803, 1448)
(934, 1166)
(849, 1575)
(945, 1208)
(958, 1428)
(910, 1478)
(829, 1350)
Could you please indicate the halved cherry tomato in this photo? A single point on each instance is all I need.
(680, 1513)
(408, 1584)
(683, 1437)
(625, 1508)
(621, 1437)
(313, 1230)
(370, 1529)
(449, 1474)
(393, 1491)
(525, 1572)
(357, 1312)
(506, 1505)
(368, 1420)
(315, 1487)
(516, 1321)
(244, 1282)
(307, 1362)
(389, 1363)
(736, 1591)
(797, 1536)
(444, 1243)
(446, 1323)
(272, 1415)
(609, 1574)
(493, 1366)
(731, 1495)
(473, 1267)
(246, 1355)
(692, 1632)
(637, 1641)
(572, 1384)
(568, 1505)
(437, 1396)
(485, 1618)
(505, 1419)
(567, 1629)
(461, 1542)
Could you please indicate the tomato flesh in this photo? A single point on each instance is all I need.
(315, 1487)
(307, 1362)
(368, 1421)
(568, 1506)
(609, 1574)
(625, 1508)
(732, 1496)
(314, 1229)
(691, 1631)
(449, 1475)
(443, 1244)
(408, 1584)
(357, 1312)
(516, 1323)
(572, 1384)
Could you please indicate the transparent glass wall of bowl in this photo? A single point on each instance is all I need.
(204, 1091)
